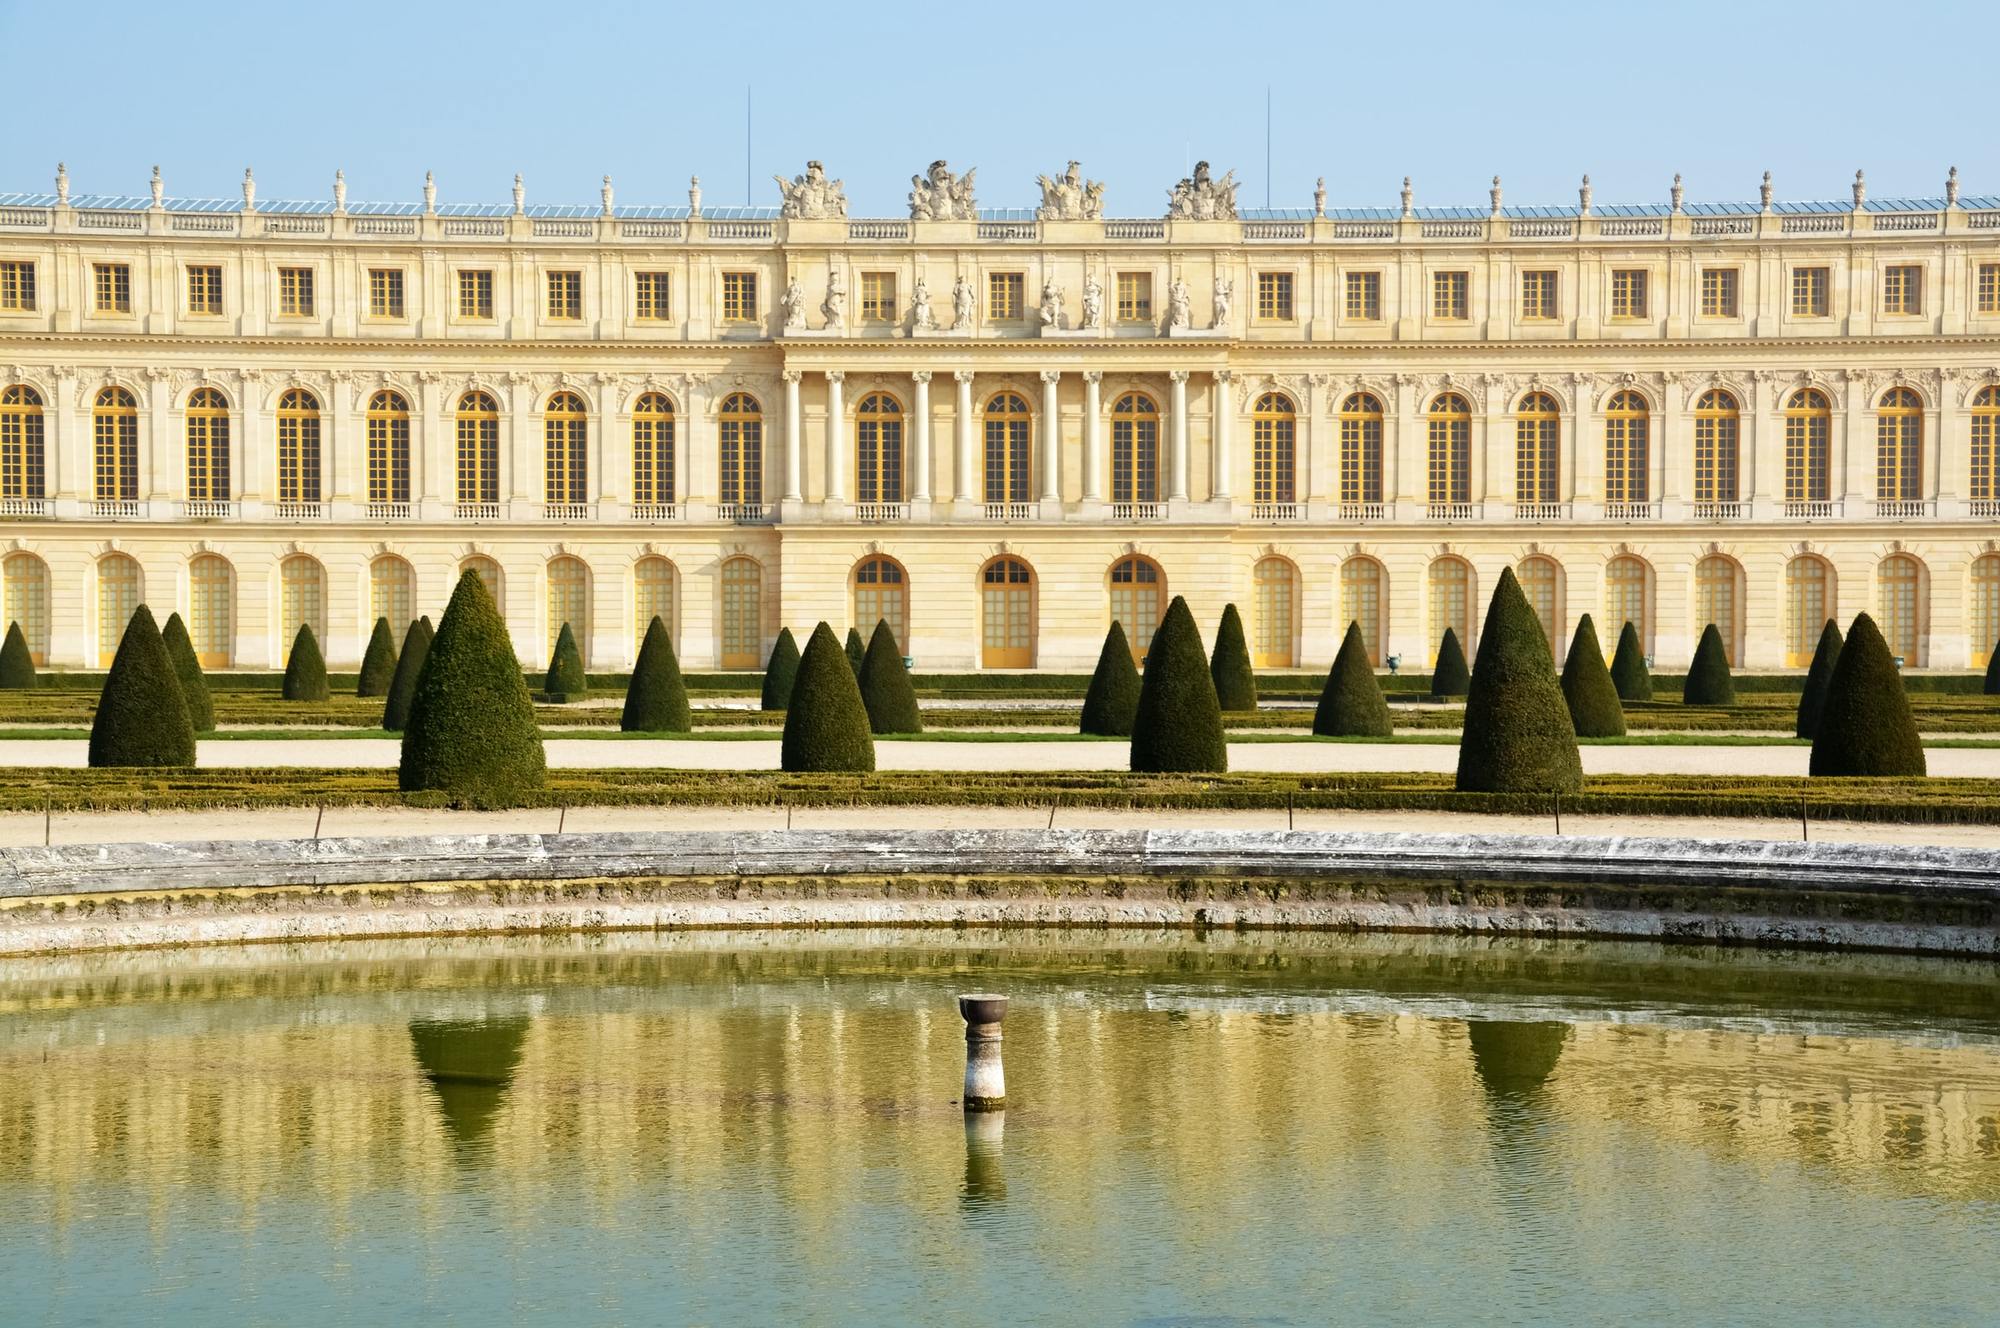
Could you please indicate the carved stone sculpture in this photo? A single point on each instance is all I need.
(794, 304)
(1093, 303)
(1203, 198)
(834, 306)
(962, 312)
(938, 195)
(1052, 303)
(812, 197)
(920, 307)
(1225, 294)
(1179, 306)
(1070, 197)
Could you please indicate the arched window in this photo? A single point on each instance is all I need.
(1007, 615)
(881, 594)
(1808, 605)
(478, 449)
(1898, 586)
(1627, 598)
(1808, 447)
(301, 602)
(27, 595)
(1276, 583)
(1450, 450)
(488, 573)
(1986, 445)
(392, 594)
(1361, 449)
(740, 453)
(1537, 440)
(1984, 620)
(565, 450)
(652, 454)
(1136, 585)
(1274, 449)
(652, 597)
(1717, 447)
(298, 449)
(569, 603)
(120, 591)
(1361, 601)
(1627, 435)
(21, 463)
(207, 446)
(1451, 603)
(1540, 580)
(1899, 447)
(1135, 451)
(878, 449)
(114, 427)
(388, 450)
(1008, 464)
(742, 614)
(1718, 600)
(212, 610)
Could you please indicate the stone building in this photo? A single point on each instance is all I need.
(999, 429)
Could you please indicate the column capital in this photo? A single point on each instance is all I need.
(836, 375)
(1093, 376)
(962, 375)
(1225, 376)
(794, 375)
(1051, 375)
(1178, 375)
(920, 375)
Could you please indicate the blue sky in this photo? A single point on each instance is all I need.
(651, 93)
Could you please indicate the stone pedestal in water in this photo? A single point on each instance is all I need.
(985, 1080)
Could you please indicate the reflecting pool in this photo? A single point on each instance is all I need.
(760, 1128)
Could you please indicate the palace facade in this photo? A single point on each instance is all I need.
(999, 430)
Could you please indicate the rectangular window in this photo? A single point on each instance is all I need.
(385, 292)
(1539, 291)
(114, 288)
(204, 289)
(295, 292)
(1628, 292)
(1718, 292)
(1451, 295)
(1274, 297)
(1809, 292)
(1364, 296)
(739, 297)
(17, 287)
(878, 297)
(1005, 296)
(565, 296)
(1903, 289)
(475, 293)
(649, 296)
(1988, 292)
(1135, 297)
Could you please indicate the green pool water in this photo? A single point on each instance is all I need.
(760, 1128)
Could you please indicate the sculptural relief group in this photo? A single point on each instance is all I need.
(939, 194)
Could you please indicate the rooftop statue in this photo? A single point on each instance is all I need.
(812, 197)
(1070, 197)
(1202, 198)
(941, 196)
(961, 303)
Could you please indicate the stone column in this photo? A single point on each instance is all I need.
(920, 439)
(156, 468)
(337, 458)
(68, 447)
(520, 484)
(1051, 438)
(1177, 467)
(1093, 439)
(431, 432)
(836, 437)
(965, 476)
(794, 460)
(245, 438)
(1671, 458)
(1220, 460)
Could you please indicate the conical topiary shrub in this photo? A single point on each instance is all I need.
(1113, 699)
(187, 672)
(141, 719)
(1812, 699)
(656, 700)
(471, 732)
(856, 651)
(886, 692)
(1229, 666)
(305, 671)
(1351, 704)
(409, 666)
(1708, 681)
(1629, 673)
(1992, 685)
(781, 671)
(378, 662)
(826, 726)
(1518, 737)
(565, 680)
(1450, 677)
(1865, 727)
(1178, 725)
(17, 665)
(1593, 699)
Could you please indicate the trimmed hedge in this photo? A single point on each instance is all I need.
(1812, 700)
(472, 734)
(1229, 665)
(1351, 704)
(409, 667)
(826, 725)
(1518, 737)
(378, 662)
(1865, 726)
(656, 701)
(781, 671)
(1178, 725)
(17, 663)
(856, 651)
(305, 670)
(565, 681)
(1629, 673)
(1594, 710)
(886, 693)
(1708, 682)
(1112, 702)
(141, 719)
(187, 672)
(1449, 676)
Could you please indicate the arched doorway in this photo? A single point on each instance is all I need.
(1007, 615)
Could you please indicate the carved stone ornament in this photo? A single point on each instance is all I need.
(1052, 304)
(1201, 197)
(793, 302)
(834, 306)
(939, 195)
(921, 317)
(812, 197)
(1225, 293)
(962, 298)
(1070, 197)
(1180, 305)
(1093, 303)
